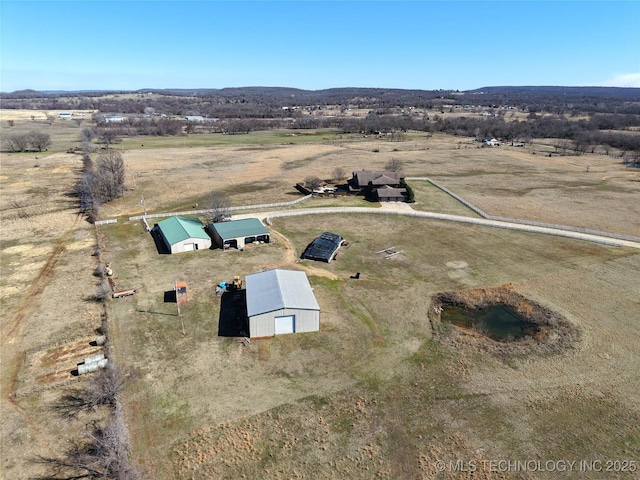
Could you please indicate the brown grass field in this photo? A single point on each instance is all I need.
(372, 394)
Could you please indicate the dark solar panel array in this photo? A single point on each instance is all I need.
(323, 247)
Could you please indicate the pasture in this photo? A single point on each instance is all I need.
(372, 394)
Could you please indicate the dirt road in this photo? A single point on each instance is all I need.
(405, 209)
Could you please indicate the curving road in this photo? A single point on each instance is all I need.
(405, 209)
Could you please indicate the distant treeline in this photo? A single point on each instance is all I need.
(581, 118)
(609, 131)
(276, 102)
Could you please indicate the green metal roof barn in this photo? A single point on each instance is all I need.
(238, 233)
(182, 234)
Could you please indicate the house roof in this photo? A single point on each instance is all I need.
(177, 229)
(390, 192)
(276, 289)
(240, 228)
(366, 177)
(323, 247)
(385, 179)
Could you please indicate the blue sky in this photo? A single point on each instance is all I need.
(73, 45)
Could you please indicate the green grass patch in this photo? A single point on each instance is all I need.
(258, 138)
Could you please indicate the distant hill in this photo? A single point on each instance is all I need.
(352, 92)
(278, 102)
(610, 92)
(287, 95)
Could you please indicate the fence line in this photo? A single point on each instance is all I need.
(486, 220)
(104, 222)
(485, 215)
(232, 209)
(457, 218)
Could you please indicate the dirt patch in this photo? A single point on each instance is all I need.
(546, 331)
(16, 249)
(50, 367)
(291, 259)
(457, 264)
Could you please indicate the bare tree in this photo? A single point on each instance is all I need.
(39, 141)
(312, 182)
(88, 147)
(339, 174)
(218, 206)
(393, 165)
(100, 271)
(18, 142)
(103, 454)
(87, 134)
(107, 135)
(86, 190)
(563, 144)
(109, 176)
(103, 390)
(582, 143)
(103, 291)
(396, 137)
(190, 127)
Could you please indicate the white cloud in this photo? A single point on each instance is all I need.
(624, 80)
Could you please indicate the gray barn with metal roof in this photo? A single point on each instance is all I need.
(279, 302)
(238, 233)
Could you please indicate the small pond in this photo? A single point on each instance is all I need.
(498, 322)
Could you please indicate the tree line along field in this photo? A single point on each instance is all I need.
(371, 394)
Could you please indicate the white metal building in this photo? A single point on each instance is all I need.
(279, 302)
(182, 234)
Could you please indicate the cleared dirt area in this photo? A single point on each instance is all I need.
(372, 394)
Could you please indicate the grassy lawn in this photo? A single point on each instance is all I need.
(358, 387)
(372, 394)
(244, 141)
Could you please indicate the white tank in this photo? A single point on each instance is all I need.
(92, 367)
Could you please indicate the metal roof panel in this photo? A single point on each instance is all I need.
(276, 289)
(240, 228)
(177, 229)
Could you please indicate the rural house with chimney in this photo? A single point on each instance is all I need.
(379, 185)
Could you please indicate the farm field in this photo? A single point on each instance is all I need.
(373, 394)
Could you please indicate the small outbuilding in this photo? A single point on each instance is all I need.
(182, 234)
(323, 248)
(279, 302)
(239, 233)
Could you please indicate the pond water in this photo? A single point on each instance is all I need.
(498, 322)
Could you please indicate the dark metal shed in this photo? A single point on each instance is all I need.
(323, 248)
